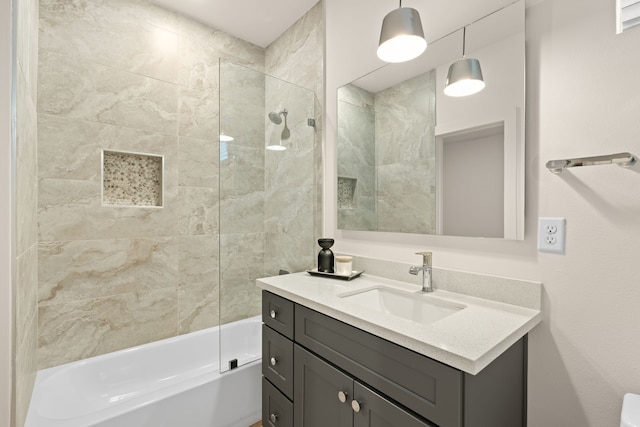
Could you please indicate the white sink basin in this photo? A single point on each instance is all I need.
(414, 306)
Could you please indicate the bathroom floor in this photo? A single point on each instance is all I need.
(258, 424)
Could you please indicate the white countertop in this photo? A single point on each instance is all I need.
(469, 339)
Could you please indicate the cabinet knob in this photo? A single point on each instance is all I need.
(273, 361)
(273, 418)
(355, 405)
(342, 396)
(273, 314)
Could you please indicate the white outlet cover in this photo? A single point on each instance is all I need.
(551, 235)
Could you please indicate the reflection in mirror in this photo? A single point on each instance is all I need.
(413, 160)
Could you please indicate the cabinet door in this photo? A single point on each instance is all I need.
(318, 387)
(373, 410)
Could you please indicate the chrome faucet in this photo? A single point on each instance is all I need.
(426, 271)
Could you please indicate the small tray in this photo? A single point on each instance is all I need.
(353, 274)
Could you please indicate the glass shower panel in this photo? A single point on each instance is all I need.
(268, 199)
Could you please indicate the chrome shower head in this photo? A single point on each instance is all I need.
(275, 117)
(286, 133)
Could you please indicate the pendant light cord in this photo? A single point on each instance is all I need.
(464, 41)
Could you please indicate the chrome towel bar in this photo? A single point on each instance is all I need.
(620, 159)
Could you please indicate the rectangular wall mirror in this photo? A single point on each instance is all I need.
(414, 160)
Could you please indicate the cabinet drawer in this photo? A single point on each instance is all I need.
(278, 313)
(277, 411)
(425, 386)
(277, 360)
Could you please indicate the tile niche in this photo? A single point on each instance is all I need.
(346, 192)
(131, 179)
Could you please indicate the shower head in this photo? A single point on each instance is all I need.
(275, 117)
(286, 133)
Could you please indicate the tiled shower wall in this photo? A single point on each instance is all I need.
(128, 76)
(386, 146)
(297, 57)
(405, 160)
(357, 159)
(26, 277)
(273, 230)
(279, 192)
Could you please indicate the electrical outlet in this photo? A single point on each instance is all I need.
(551, 235)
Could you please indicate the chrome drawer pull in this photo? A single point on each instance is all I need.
(274, 361)
(342, 396)
(273, 418)
(273, 314)
(355, 405)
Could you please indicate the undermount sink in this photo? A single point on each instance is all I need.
(414, 306)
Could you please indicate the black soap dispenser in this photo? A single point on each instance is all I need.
(325, 256)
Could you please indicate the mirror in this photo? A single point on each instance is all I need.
(414, 160)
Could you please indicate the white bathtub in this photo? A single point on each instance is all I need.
(170, 383)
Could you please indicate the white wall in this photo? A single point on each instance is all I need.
(473, 185)
(6, 315)
(582, 99)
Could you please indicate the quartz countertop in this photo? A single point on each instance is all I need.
(469, 339)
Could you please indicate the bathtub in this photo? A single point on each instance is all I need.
(170, 383)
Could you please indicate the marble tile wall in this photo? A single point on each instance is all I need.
(129, 76)
(357, 157)
(293, 204)
(297, 55)
(26, 278)
(405, 147)
(386, 144)
(268, 199)
(290, 185)
(242, 190)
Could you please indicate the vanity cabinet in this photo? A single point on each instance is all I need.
(319, 371)
(326, 396)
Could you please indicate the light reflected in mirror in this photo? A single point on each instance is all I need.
(413, 160)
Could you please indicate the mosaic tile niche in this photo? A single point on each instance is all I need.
(131, 179)
(346, 192)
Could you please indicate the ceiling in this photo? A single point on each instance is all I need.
(257, 21)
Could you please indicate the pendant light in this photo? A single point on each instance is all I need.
(465, 75)
(401, 37)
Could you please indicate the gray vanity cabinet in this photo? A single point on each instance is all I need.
(320, 372)
(325, 396)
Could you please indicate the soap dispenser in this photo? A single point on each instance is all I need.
(325, 256)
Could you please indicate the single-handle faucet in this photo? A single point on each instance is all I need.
(426, 271)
